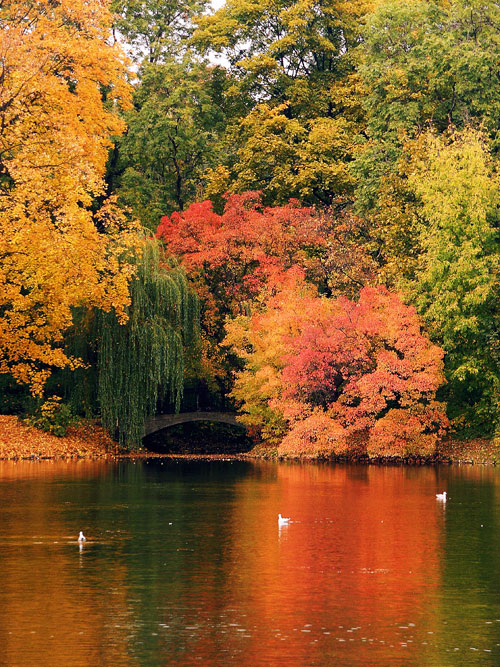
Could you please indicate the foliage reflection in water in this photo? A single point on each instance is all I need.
(185, 563)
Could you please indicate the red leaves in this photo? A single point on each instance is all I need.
(322, 375)
(369, 367)
(247, 246)
(191, 234)
(316, 435)
(232, 258)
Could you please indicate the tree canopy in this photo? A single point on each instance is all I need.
(155, 30)
(171, 138)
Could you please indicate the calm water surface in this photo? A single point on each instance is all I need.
(185, 564)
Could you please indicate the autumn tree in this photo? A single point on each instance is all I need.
(329, 376)
(62, 82)
(261, 341)
(350, 258)
(246, 247)
(231, 256)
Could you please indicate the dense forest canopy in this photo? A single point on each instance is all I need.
(321, 179)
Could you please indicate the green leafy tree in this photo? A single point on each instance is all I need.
(284, 157)
(425, 64)
(171, 138)
(457, 282)
(286, 51)
(142, 360)
(155, 30)
(295, 61)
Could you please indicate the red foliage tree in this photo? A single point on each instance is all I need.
(231, 257)
(246, 246)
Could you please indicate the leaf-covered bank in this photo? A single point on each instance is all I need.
(20, 441)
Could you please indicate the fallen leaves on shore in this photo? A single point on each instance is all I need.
(19, 441)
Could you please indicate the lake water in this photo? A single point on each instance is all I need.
(185, 564)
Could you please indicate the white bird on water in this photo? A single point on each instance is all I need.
(81, 537)
(283, 521)
(441, 496)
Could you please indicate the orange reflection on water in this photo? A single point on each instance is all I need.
(354, 576)
(52, 468)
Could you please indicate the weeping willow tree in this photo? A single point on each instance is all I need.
(142, 360)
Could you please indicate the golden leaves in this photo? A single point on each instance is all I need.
(54, 136)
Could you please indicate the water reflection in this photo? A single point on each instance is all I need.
(184, 564)
(358, 566)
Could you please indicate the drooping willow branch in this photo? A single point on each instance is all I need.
(143, 360)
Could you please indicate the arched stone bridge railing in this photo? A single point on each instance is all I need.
(159, 422)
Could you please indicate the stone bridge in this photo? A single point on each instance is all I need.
(159, 422)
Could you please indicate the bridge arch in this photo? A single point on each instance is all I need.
(159, 422)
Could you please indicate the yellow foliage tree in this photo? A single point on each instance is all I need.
(61, 84)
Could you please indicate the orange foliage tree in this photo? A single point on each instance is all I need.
(324, 376)
(61, 85)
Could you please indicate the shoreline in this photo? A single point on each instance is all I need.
(20, 442)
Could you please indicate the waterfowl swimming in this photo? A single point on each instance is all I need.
(282, 520)
(441, 496)
(81, 537)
